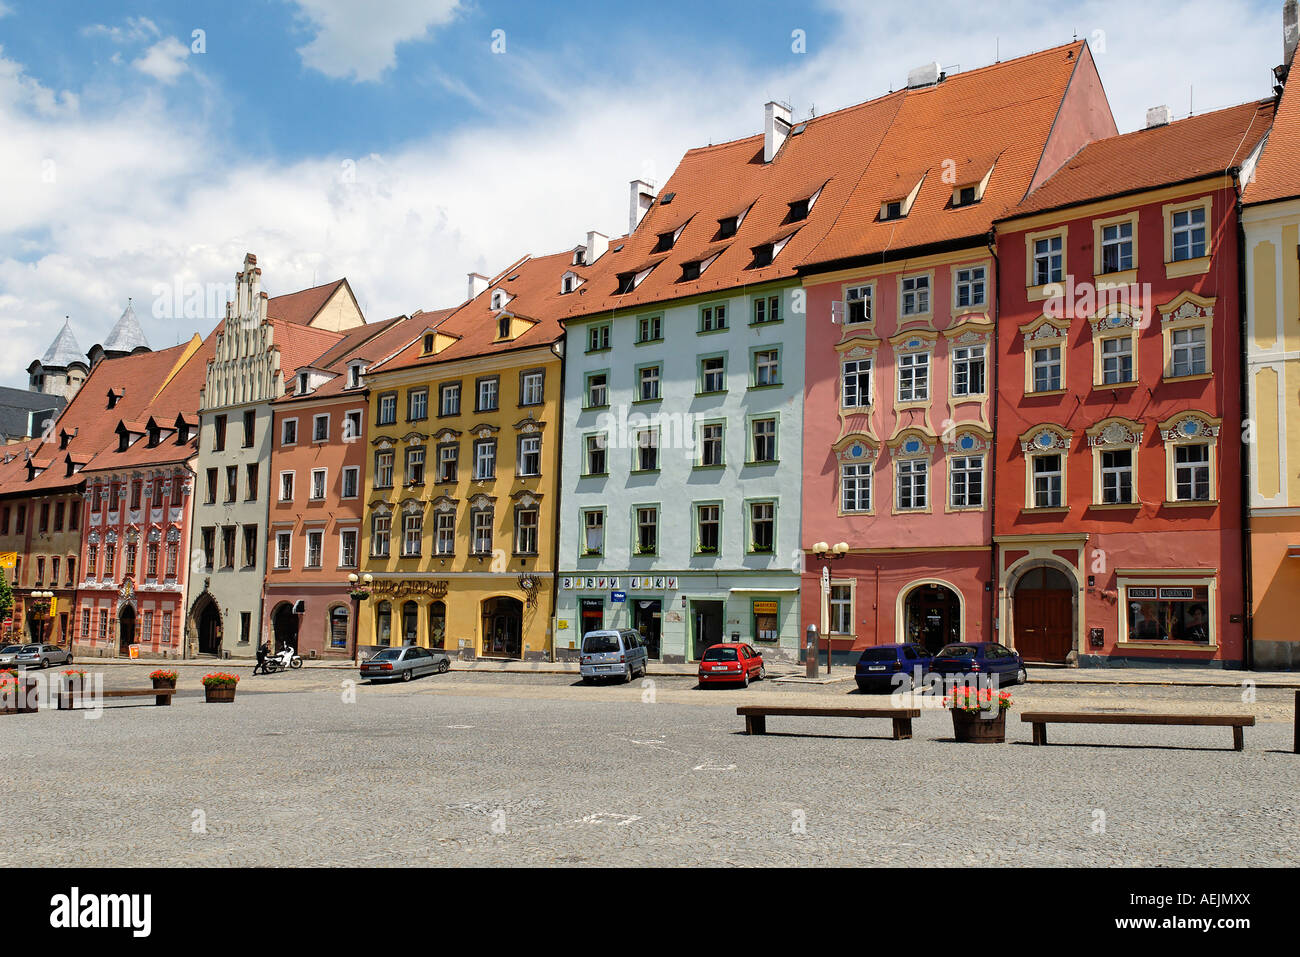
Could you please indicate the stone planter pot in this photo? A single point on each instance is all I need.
(972, 727)
(215, 694)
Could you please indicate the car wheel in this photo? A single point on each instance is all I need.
(406, 675)
(1022, 676)
(68, 660)
(744, 680)
(444, 666)
(45, 662)
(627, 675)
(864, 686)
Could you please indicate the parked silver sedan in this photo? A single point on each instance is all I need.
(42, 656)
(405, 663)
(8, 653)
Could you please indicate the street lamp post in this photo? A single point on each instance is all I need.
(828, 553)
(359, 590)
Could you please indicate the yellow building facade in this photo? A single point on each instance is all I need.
(461, 488)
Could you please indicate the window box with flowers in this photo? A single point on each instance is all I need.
(219, 687)
(979, 715)
(18, 694)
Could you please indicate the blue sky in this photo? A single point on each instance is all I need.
(385, 140)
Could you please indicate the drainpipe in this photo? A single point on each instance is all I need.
(993, 448)
(561, 351)
(1247, 618)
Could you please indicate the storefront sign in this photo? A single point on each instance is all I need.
(618, 596)
(618, 583)
(401, 587)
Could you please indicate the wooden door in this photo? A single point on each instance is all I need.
(1044, 624)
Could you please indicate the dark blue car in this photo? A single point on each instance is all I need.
(880, 667)
(979, 658)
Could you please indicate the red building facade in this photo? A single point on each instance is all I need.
(1119, 429)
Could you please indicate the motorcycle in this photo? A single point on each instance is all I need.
(286, 659)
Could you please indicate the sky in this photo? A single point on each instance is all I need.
(145, 147)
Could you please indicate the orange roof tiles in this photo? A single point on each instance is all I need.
(1277, 176)
(1194, 148)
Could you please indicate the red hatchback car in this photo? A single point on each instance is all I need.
(731, 661)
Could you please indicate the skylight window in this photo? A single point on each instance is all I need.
(727, 227)
(665, 243)
(626, 282)
(799, 210)
(690, 271)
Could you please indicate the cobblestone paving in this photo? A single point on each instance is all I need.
(477, 770)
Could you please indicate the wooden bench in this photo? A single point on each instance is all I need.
(756, 716)
(1041, 719)
(161, 696)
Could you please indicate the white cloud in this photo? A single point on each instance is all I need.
(359, 40)
(136, 30)
(5, 9)
(147, 195)
(164, 61)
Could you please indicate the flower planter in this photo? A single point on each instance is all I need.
(164, 684)
(214, 694)
(19, 696)
(974, 727)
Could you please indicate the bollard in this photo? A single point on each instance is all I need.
(810, 652)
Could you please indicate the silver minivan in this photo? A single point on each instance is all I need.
(612, 654)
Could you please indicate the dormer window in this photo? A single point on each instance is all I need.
(567, 284)
(626, 282)
(799, 210)
(892, 210)
(354, 375)
(762, 255)
(428, 343)
(727, 227)
(113, 396)
(498, 299)
(503, 327)
(579, 256)
(690, 271)
(665, 243)
(965, 196)
(302, 383)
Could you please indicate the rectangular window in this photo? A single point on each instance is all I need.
(156, 494)
(173, 556)
(486, 393)
(713, 317)
(1192, 473)
(146, 630)
(387, 409)
(530, 455)
(649, 329)
(283, 549)
(647, 531)
(209, 535)
(92, 562)
(711, 444)
(966, 481)
(40, 571)
(351, 426)
(412, 531)
(763, 440)
(1189, 234)
(1048, 260)
(841, 608)
(532, 388)
(227, 547)
(250, 546)
(417, 405)
(1047, 369)
(250, 427)
(381, 528)
(1169, 613)
(762, 526)
(597, 390)
(485, 459)
(596, 454)
(1117, 247)
(1047, 481)
(383, 470)
(444, 533)
(1116, 360)
(914, 377)
(320, 428)
(855, 383)
(449, 399)
(1188, 348)
(526, 531)
(648, 384)
(286, 486)
(707, 523)
(482, 527)
(713, 374)
(351, 482)
(448, 462)
(1117, 476)
(647, 450)
(916, 295)
(767, 367)
(317, 484)
(970, 287)
(913, 477)
(85, 623)
(289, 432)
(857, 304)
(219, 434)
(151, 560)
(767, 309)
(855, 487)
(315, 549)
(59, 508)
(598, 338)
(232, 482)
(211, 487)
(415, 466)
(968, 370)
(103, 624)
(593, 532)
(348, 548)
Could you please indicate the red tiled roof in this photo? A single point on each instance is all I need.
(534, 287)
(1194, 148)
(301, 307)
(1277, 176)
(301, 345)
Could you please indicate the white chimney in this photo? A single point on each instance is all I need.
(597, 246)
(927, 75)
(642, 196)
(1158, 116)
(776, 127)
(1290, 30)
(477, 284)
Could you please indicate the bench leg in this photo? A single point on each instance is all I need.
(902, 729)
(756, 724)
(1238, 737)
(1040, 733)
(162, 699)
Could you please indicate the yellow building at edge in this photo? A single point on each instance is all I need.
(461, 490)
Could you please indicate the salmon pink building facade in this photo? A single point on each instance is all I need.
(1118, 460)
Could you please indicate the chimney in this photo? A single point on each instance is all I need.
(1158, 116)
(1290, 30)
(776, 127)
(642, 196)
(477, 284)
(597, 246)
(927, 75)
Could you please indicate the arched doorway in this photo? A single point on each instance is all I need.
(207, 625)
(1043, 615)
(932, 616)
(125, 630)
(503, 620)
(285, 625)
(339, 623)
(410, 623)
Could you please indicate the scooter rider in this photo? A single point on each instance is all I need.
(263, 650)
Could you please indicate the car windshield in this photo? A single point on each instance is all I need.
(600, 644)
(10, 649)
(392, 654)
(959, 651)
(879, 654)
(720, 654)
(31, 648)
